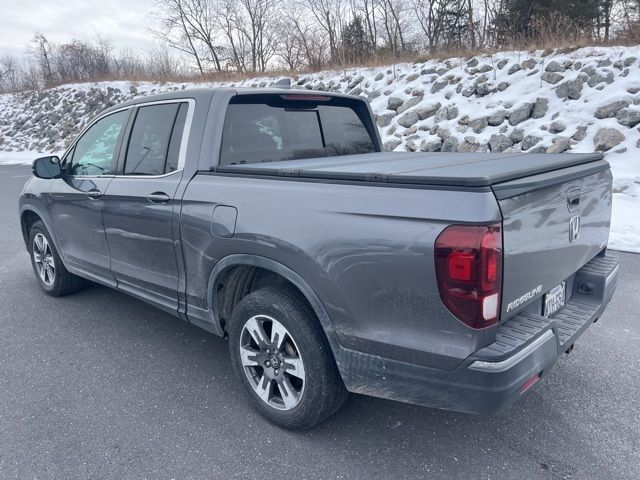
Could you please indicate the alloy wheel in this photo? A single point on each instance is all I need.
(272, 362)
(43, 259)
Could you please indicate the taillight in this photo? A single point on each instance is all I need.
(469, 272)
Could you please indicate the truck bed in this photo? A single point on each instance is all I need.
(448, 169)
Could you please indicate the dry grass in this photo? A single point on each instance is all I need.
(549, 40)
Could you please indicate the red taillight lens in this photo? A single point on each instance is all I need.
(469, 272)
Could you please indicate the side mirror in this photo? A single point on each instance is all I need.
(47, 167)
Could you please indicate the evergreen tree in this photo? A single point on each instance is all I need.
(355, 41)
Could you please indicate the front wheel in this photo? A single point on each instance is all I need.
(283, 359)
(52, 275)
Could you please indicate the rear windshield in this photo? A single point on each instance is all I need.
(270, 128)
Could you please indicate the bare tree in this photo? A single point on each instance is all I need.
(40, 50)
(394, 24)
(189, 26)
(329, 16)
(160, 64)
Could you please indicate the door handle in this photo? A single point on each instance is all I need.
(158, 197)
(93, 194)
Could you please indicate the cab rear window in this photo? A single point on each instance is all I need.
(270, 128)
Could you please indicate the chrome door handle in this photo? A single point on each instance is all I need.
(93, 194)
(158, 197)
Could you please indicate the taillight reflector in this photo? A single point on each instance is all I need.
(469, 272)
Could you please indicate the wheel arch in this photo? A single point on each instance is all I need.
(238, 260)
(30, 214)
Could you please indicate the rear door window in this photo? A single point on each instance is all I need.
(270, 128)
(148, 151)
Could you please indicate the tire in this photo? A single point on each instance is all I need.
(290, 401)
(56, 280)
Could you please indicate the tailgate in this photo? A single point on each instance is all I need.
(554, 223)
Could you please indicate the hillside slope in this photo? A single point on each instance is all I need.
(582, 100)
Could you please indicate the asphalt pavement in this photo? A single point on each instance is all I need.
(99, 385)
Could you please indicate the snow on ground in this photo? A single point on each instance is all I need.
(453, 104)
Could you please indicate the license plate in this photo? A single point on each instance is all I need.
(554, 299)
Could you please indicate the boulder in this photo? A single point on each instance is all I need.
(516, 135)
(502, 63)
(557, 127)
(499, 142)
(554, 66)
(629, 61)
(468, 91)
(443, 133)
(394, 102)
(598, 78)
(497, 118)
(571, 89)
(449, 145)
(433, 146)
(379, 77)
(529, 63)
(479, 124)
(530, 141)
(628, 118)
(468, 145)
(607, 138)
(408, 119)
(611, 110)
(580, 134)
(520, 114)
(410, 144)
(483, 89)
(445, 113)
(514, 68)
(560, 144)
(552, 77)
(391, 145)
(412, 102)
(502, 86)
(473, 62)
(540, 108)
(356, 81)
(427, 112)
(385, 119)
(412, 77)
(438, 85)
(538, 149)
(373, 94)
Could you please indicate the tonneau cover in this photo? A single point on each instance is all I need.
(451, 169)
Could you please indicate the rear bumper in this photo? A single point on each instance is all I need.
(487, 382)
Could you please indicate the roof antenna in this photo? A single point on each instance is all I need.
(284, 83)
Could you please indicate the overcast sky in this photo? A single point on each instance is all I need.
(123, 21)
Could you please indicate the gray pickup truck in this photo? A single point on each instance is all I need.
(272, 217)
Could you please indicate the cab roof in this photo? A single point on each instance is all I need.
(205, 94)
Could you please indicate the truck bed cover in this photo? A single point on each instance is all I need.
(450, 169)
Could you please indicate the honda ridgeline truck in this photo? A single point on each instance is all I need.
(272, 217)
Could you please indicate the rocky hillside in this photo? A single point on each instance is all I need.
(553, 101)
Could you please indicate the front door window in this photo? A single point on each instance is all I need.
(95, 151)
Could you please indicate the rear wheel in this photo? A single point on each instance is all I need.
(52, 275)
(283, 359)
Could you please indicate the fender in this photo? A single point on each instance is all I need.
(279, 268)
(29, 207)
